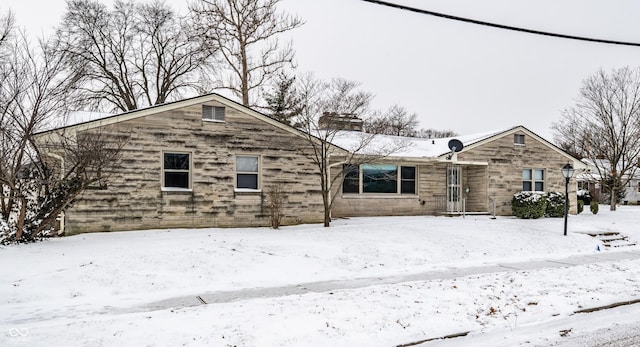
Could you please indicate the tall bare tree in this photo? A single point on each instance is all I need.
(134, 55)
(7, 25)
(337, 98)
(34, 188)
(604, 126)
(246, 31)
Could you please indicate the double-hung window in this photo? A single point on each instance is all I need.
(408, 179)
(176, 170)
(351, 183)
(247, 172)
(518, 139)
(533, 180)
(213, 113)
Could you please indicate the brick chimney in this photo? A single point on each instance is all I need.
(334, 121)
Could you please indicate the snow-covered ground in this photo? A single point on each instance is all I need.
(91, 289)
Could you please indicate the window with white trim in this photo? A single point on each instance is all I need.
(247, 172)
(533, 180)
(518, 139)
(176, 170)
(213, 113)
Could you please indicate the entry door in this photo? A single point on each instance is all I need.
(454, 173)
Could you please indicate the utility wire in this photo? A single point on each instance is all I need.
(501, 26)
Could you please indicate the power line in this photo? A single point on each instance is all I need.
(501, 26)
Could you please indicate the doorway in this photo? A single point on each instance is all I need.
(454, 174)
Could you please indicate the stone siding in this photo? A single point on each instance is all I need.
(134, 198)
(506, 161)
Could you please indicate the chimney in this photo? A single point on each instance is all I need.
(334, 121)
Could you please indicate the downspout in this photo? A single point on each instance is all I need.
(61, 215)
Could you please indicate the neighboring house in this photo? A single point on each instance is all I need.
(482, 178)
(590, 180)
(210, 162)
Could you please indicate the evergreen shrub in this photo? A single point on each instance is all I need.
(555, 205)
(528, 205)
(594, 207)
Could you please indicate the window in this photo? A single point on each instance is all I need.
(407, 179)
(351, 183)
(213, 113)
(247, 172)
(379, 178)
(518, 139)
(176, 170)
(533, 180)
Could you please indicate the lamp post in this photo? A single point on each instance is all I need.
(567, 173)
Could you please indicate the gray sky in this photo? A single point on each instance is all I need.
(454, 75)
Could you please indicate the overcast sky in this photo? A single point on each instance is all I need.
(456, 76)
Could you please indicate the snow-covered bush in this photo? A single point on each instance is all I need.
(555, 205)
(528, 205)
(580, 206)
(594, 207)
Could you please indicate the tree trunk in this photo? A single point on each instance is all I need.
(21, 218)
(327, 217)
(613, 199)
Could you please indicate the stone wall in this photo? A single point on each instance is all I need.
(506, 161)
(134, 198)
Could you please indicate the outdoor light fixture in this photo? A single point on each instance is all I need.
(567, 173)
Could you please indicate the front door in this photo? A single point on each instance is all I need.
(454, 174)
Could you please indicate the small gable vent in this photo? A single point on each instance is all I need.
(213, 113)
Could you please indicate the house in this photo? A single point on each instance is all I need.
(201, 162)
(590, 180)
(428, 178)
(210, 162)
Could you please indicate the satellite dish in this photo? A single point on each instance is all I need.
(455, 145)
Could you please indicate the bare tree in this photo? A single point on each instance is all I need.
(396, 121)
(7, 25)
(605, 126)
(435, 134)
(246, 31)
(132, 56)
(33, 92)
(337, 98)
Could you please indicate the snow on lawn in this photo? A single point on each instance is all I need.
(62, 284)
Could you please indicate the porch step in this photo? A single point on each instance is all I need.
(455, 214)
(612, 239)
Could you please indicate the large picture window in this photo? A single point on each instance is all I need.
(379, 178)
(247, 172)
(533, 180)
(176, 170)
